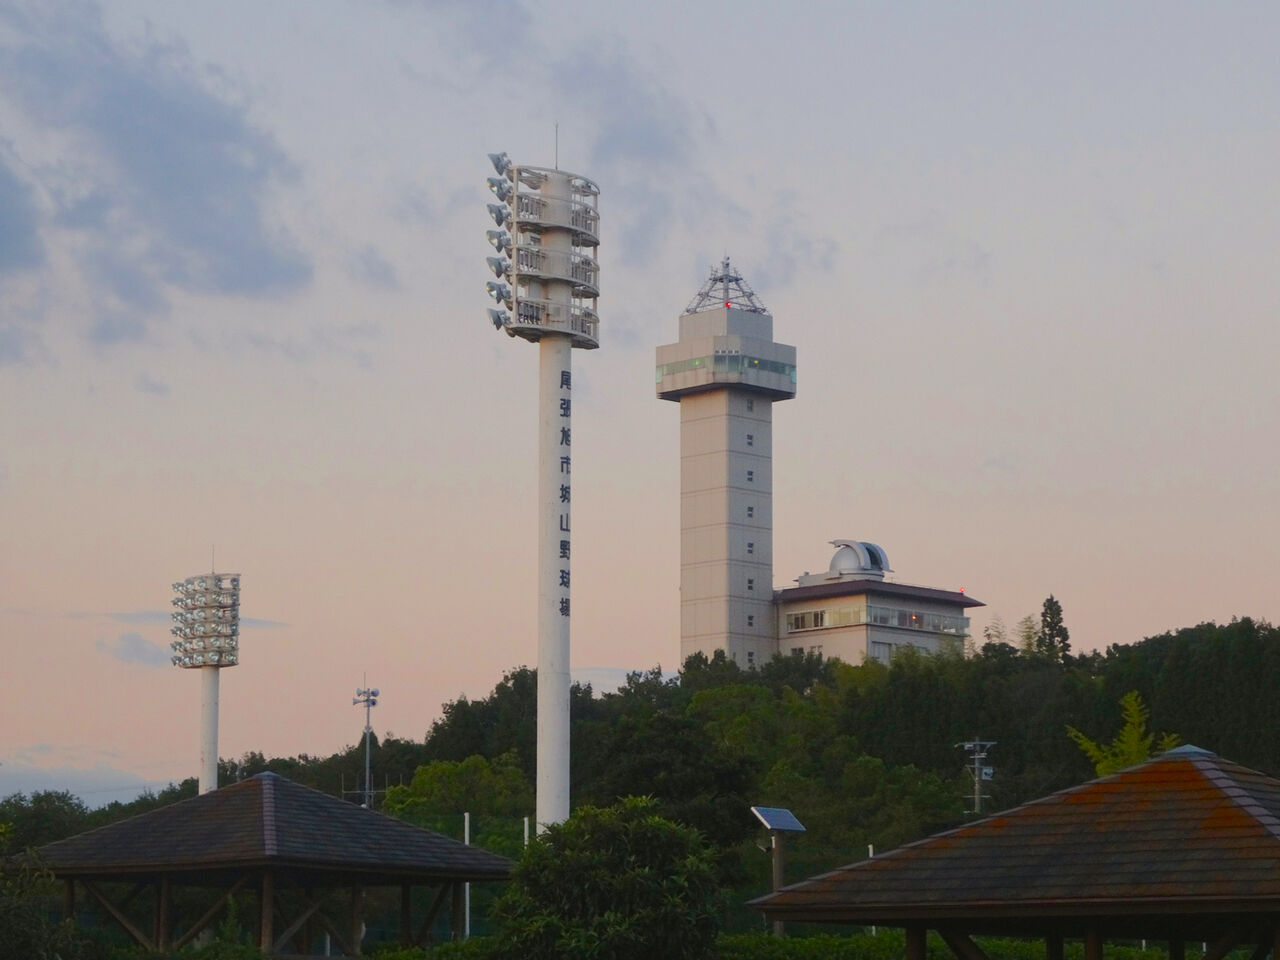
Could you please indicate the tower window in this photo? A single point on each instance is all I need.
(751, 439)
(751, 476)
(751, 658)
(751, 583)
(751, 547)
(751, 619)
(751, 405)
(751, 512)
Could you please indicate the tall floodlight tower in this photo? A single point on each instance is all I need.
(207, 631)
(726, 372)
(547, 278)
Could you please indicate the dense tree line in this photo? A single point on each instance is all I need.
(864, 754)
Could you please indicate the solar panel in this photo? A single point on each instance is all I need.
(776, 818)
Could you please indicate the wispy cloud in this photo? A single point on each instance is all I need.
(152, 167)
(369, 267)
(145, 383)
(20, 245)
(134, 648)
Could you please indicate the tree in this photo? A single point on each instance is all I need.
(619, 882)
(1052, 639)
(1131, 745)
(474, 785)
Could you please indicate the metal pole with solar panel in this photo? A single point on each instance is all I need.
(778, 822)
(979, 771)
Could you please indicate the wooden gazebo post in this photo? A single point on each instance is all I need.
(266, 913)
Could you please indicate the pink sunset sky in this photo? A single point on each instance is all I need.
(1027, 255)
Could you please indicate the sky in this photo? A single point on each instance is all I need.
(1026, 253)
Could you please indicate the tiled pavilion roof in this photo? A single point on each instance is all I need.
(269, 822)
(1183, 841)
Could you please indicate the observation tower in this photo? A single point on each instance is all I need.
(726, 372)
(206, 627)
(547, 279)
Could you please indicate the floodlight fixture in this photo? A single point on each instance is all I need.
(501, 164)
(500, 239)
(500, 292)
(501, 268)
(502, 189)
(499, 318)
(501, 215)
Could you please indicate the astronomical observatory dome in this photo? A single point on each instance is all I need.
(859, 558)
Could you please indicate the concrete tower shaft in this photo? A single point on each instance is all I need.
(726, 372)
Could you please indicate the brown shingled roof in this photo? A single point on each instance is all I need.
(1181, 841)
(268, 821)
(889, 588)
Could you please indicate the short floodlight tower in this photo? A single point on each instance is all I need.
(368, 697)
(779, 822)
(549, 228)
(206, 630)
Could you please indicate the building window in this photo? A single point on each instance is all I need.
(819, 618)
(751, 440)
(751, 405)
(751, 476)
(751, 547)
(751, 512)
(751, 583)
(751, 658)
(881, 652)
(797, 651)
(751, 620)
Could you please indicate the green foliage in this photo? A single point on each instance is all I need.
(1052, 640)
(617, 882)
(477, 948)
(1132, 745)
(474, 784)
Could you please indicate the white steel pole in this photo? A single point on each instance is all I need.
(208, 728)
(466, 887)
(554, 412)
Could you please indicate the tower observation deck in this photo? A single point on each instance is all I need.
(726, 371)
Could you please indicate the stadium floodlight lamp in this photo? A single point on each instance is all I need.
(206, 621)
(500, 239)
(500, 292)
(501, 268)
(501, 164)
(501, 215)
(501, 188)
(499, 318)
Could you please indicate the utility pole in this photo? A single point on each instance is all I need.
(370, 700)
(978, 771)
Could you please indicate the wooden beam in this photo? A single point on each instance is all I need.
(338, 937)
(209, 914)
(311, 907)
(69, 900)
(430, 918)
(1092, 944)
(406, 914)
(458, 920)
(915, 943)
(357, 919)
(266, 911)
(162, 914)
(962, 946)
(1224, 945)
(1053, 947)
(120, 918)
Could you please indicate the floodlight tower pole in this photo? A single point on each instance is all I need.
(368, 697)
(207, 631)
(554, 283)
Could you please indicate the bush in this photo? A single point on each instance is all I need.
(613, 883)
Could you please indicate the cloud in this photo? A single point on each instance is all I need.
(144, 383)
(84, 772)
(136, 617)
(20, 244)
(255, 623)
(369, 266)
(153, 168)
(134, 648)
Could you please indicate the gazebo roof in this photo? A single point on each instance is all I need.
(1188, 838)
(268, 821)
